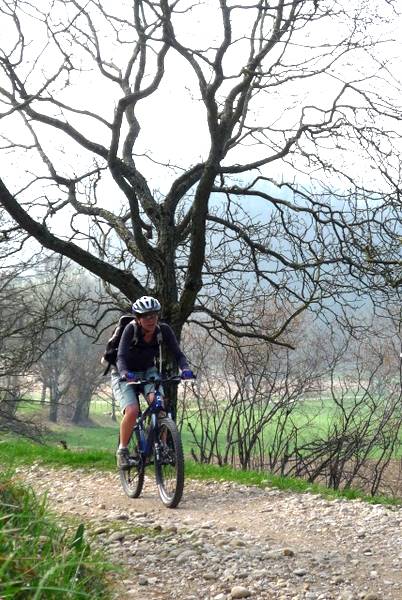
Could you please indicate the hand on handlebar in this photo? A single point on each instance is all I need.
(187, 374)
(130, 376)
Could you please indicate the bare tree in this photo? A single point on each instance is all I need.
(330, 412)
(45, 305)
(23, 324)
(68, 357)
(283, 195)
(364, 390)
(240, 411)
(83, 374)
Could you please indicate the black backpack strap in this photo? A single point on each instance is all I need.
(135, 333)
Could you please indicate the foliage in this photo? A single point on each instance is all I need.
(40, 559)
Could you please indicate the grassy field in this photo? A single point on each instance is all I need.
(94, 448)
(89, 438)
(312, 418)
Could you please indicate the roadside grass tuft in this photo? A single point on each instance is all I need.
(39, 558)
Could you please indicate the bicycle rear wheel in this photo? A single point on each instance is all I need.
(169, 467)
(132, 478)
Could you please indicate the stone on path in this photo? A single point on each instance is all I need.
(238, 591)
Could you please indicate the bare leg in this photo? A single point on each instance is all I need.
(128, 422)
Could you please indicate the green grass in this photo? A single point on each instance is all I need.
(39, 559)
(16, 452)
(293, 484)
(94, 438)
(21, 452)
(312, 418)
(267, 437)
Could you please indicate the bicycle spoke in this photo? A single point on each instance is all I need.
(169, 467)
(132, 478)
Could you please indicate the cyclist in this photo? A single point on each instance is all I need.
(138, 361)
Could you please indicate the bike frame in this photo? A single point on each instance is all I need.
(146, 442)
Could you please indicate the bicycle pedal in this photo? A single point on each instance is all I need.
(125, 467)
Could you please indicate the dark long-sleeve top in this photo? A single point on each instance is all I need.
(142, 355)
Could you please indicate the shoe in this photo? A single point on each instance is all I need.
(123, 458)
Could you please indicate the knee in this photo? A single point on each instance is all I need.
(131, 411)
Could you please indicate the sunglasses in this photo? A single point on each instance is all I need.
(151, 315)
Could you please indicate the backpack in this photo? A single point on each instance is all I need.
(110, 354)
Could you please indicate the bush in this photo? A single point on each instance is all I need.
(40, 559)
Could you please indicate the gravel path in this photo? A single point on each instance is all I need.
(229, 541)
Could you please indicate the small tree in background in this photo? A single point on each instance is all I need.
(327, 413)
(69, 363)
(25, 317)
(45, 306)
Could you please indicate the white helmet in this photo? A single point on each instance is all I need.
(146, 304)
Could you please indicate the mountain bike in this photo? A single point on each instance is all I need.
(155, 440)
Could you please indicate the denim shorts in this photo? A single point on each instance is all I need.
(126, 394)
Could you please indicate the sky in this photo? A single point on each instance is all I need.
(174, 119)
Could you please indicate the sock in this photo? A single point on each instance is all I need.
(121, 446)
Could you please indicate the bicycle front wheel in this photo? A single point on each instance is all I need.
(169, 465)
(132, 477)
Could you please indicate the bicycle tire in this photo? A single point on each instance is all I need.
(169, 466)
(132, 478)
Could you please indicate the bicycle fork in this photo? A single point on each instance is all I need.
(147, 442)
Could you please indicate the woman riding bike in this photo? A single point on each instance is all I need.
(138, 361)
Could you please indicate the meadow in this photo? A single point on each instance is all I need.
(311, 417)
(94, 447)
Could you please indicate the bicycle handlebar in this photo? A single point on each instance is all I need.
(159, 380)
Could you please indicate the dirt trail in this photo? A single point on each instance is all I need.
(231, 541)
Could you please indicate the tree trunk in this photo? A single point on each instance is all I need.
(43, 394)
(81, 410)
(54, 403)
(9, 401)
